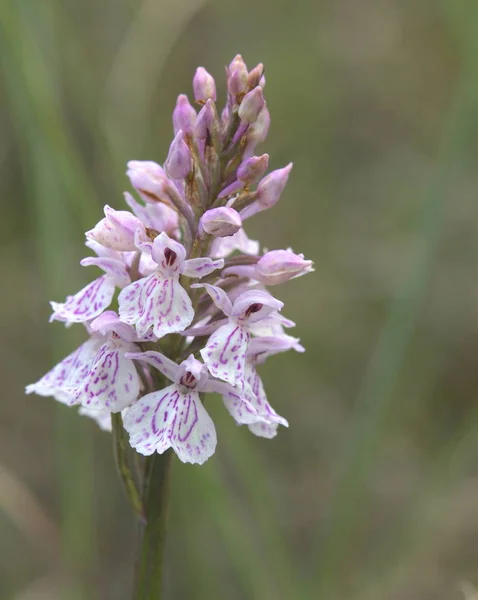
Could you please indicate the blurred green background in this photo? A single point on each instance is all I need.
(373, 491)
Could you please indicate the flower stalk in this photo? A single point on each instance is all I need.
(148, 581)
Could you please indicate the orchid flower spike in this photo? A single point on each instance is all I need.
(186, 222)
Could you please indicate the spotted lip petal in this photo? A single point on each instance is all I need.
(61, 381)
(87, 304)
(156, 302)
(112, 382)
(225, 353)
(171, 419)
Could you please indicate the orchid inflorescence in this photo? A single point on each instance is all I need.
(171, 340)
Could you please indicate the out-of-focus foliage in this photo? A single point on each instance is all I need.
(373, 492)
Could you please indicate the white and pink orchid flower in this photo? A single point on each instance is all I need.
(225, 351)
(159, 302)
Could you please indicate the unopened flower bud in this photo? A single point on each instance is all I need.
(272, 186)
(204, 86)
(258, 131)
(221, 222)
(184, 116)
(207, 123)
(116, 231)
(252, 169)
(268, 192)
(251, 105)
(178, 163)
(148, 178)
(237, 77)
(278, 266)
(255, 76)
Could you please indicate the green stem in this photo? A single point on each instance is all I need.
(149, 567)
(121, 450)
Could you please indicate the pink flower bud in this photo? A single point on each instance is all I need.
(207, 121)
(252, 169)
(251, 105)
(258, 131)
(148, 178)
(272, 186)
(184, 116)
(221, 222)
(116, 231)
(204, 86)
(278, 266)
(268, 192)
(255, 76)
(237, 77)
(178, 163)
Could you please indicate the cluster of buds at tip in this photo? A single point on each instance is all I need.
(172, 339)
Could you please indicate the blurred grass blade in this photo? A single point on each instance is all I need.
(376, 393)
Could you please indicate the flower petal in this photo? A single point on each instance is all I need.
(264, 409)
(112, 382)
(225, 353)
(250, 298)
(222, 247)
(157, 302)
(200, 267)
(162, 243)
(236, 401)
(87, 304)
(61, 381)
(164, 364)
(218, 295)
(171, 419)
(116, 269)
(102, 417)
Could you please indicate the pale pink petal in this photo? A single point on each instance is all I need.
(225, 353)
(222, 247)
(194, 435)
(102, 417)
(236, 401)
(156, 216)
(156, 302)
(67, 375)
(112, 382)
(257, 298)
(218, 295)
(264, 409)
(116, 269)
(204, 329)
(272, 325)
(87, 304)
(200, 267)
(161, 244)
(164, 364)
(110, 322)
(171, 419)
(196, 368)
(265, 430)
